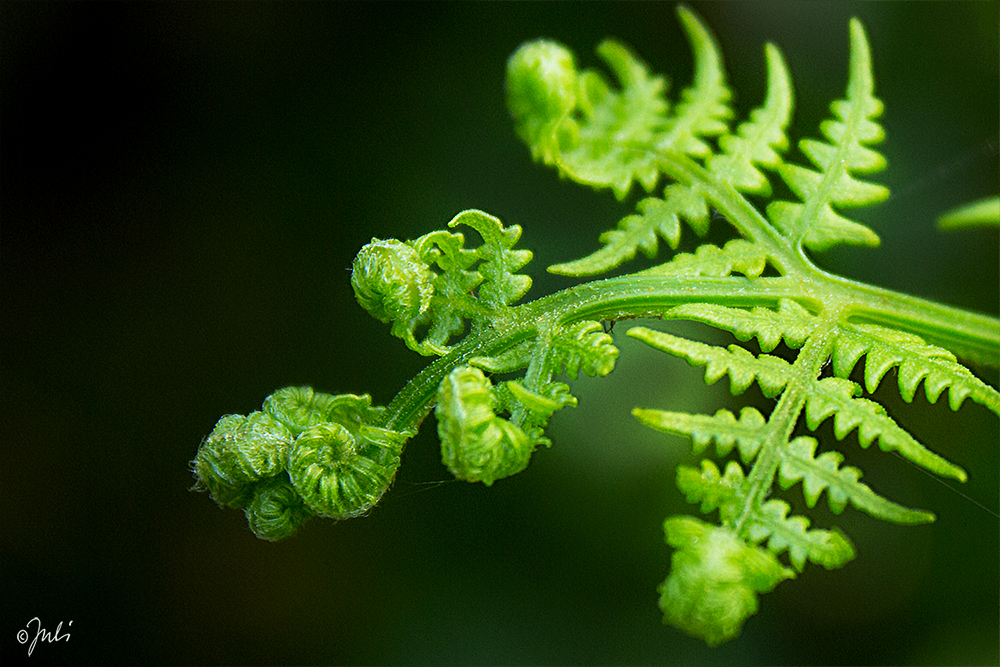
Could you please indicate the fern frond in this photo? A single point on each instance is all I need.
(758, 140)
(476, 444)
(583, 346)
(747, 433)
(737, 256)
(501, 284)
(433, 280)
(771, 373)
(790, 322)
(981, 213)
(658, 218)
(705, 106)
(814, 223)
(728, 493)
(311, 454)
(823, 473)
(557, 396)
(512, 359)
(616, 128)
(916, 360)
(836, 397)
(829, 548)
(714, 490)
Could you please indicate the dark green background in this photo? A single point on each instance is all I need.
(183, 187)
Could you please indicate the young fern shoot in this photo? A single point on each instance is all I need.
(310, 454)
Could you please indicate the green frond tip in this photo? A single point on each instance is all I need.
(845, 152)
(747, 433)
(728, 493)
(704, 108)
(799, 462)
(759, 140)
(714, 580)
(276, 510)
(501, 286)
(657, 219)
(828, 548)
(919, 363)
(393, 284)
(981, 213)
(770, 372)
(607, 143)
(583, 346)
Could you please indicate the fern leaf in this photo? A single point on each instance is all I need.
(828, 548)
(723, 428)
(501, 286)
(814, 223)
(737, 256)
(583, 346)
(452, 298)
(616, 129)
(758, 140)
(556, 397)
(823, 473)
(917, 361)
(981, 213)
(715, 491)
(790, 322)
(726, 493)
(835, 396)
(771, 373)
(658, 218)
(704, 109)
(509, 361)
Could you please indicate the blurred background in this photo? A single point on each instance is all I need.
(184, 186)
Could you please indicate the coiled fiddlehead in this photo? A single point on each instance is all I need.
(276, 509)
(541, 94)
(240, 451)
(715, 579)
(305, 454)
(333, 476)
(476, 445)
(434, 281)
(393, 284)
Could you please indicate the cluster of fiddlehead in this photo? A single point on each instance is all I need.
(494, 384)
(304, 454)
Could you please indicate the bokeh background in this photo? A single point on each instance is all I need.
(183, 187)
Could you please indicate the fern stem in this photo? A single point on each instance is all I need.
(734, 206)
(807, 367)
(969, 335)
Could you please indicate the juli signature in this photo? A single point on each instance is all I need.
(23, 635)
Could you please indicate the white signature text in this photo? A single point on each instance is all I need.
(24, 634)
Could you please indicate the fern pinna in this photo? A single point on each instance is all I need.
(494, 383)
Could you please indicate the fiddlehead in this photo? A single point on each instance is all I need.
(715, 579)
(476, 445)
(434, 280)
